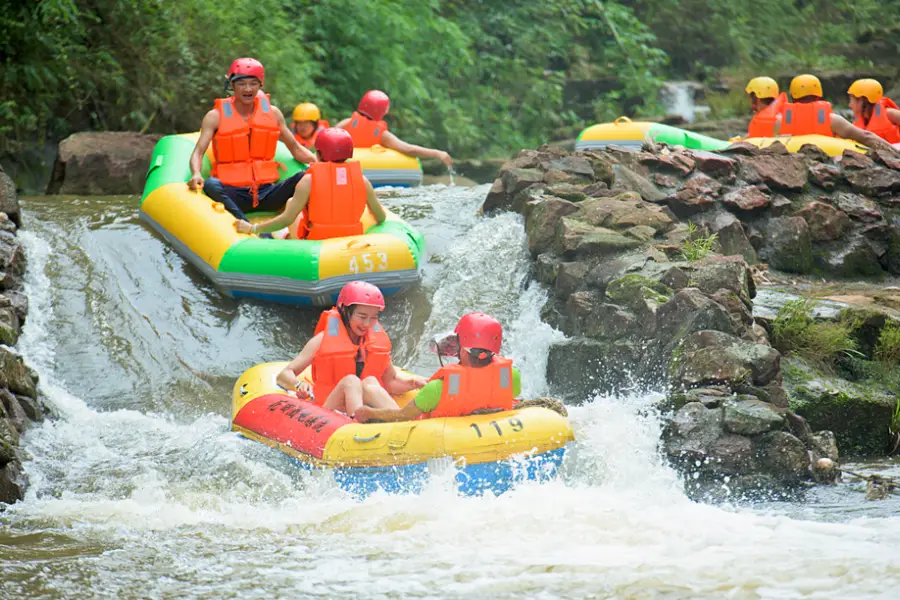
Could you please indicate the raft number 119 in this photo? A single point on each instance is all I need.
(515, 423)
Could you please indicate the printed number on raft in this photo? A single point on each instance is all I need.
(514, 424)
(368, 262)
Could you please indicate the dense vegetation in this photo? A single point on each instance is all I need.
(472, 76)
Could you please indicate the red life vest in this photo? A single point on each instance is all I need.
(879, 124)
(364, 131)
(763, 123)
(806, 119)
(337, 201)
(336, 357)
(244, 149)
(468, 389)
(310, 142)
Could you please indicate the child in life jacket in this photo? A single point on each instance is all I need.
(482, 381)
(329, 200)
(350, 355)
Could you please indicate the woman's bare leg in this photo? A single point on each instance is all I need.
(376, 396)
(346, 396)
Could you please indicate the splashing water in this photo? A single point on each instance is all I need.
(139, 490)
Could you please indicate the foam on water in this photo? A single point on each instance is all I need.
(142, 502)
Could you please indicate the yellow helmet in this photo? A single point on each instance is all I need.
(806, 85)
(763, 87)
(869, 89)
(306, 112)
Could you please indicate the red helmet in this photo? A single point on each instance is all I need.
(247, 67)
(374, 104)
(335, 144)
(360, 292)
(478, 330)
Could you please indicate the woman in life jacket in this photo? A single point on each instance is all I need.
(367, 128)
(329, 200)
(307, 124)
(874, 111)
(482, 380)
(350, 355)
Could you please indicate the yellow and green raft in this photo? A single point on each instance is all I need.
(300, 272)
(625, 132)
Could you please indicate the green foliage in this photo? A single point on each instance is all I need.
(887, 349)
(698, 246)
(796, 331)
(471, 77)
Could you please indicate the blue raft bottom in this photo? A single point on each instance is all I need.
(471, 480)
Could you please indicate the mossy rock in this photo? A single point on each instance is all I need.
(634, 289)
(858, 414)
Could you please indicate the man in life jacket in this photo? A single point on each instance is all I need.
(368, 129)
(329, 200)
(244, 130)
(307, 124)
(482, 381)
(809, 114)
(874, 111)
(350, 355)
(766, 104)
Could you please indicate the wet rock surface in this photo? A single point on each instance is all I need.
(651, 255)
(20, 402)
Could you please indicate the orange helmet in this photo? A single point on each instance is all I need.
(334, 145)
(869, 89)
(374, 104)
(806, 85)
(359, 292)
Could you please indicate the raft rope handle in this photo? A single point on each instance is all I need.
(356, 438)
(358, 244)
(243, 389)
(621, 120)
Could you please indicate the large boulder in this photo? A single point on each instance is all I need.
(784, 172)
(825, 222)
(580, 368)
(541, 220)
(689, 311)
(731, 236)
(876, 181)
(783, 456)
(859, 415)
(852, 259)
(99, 163)
(790, 245)
(9, 200)
(746, 415)
(717, 357)
(576, 238)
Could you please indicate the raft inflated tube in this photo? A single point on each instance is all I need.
(301, 272)
(625, 132)
(485, 448)
(385, 167)
(830, 145)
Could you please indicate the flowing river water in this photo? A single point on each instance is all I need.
(139, 489)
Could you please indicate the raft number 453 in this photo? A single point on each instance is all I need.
(368, 265)
(515, 423)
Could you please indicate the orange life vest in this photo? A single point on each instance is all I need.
(763, 123)
(364, 131)
(244, 149)
(336, 357)
(879, 124)
(806, 119)
(309, 142)
(468, 389)
(337, 201)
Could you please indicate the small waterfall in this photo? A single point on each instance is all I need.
(678, 98)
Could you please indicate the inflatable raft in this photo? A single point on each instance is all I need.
(385, 167)
(300, 272)
(628, 133)
(487, 452)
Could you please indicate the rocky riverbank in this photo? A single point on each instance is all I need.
(21, 402)
(651, 256)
